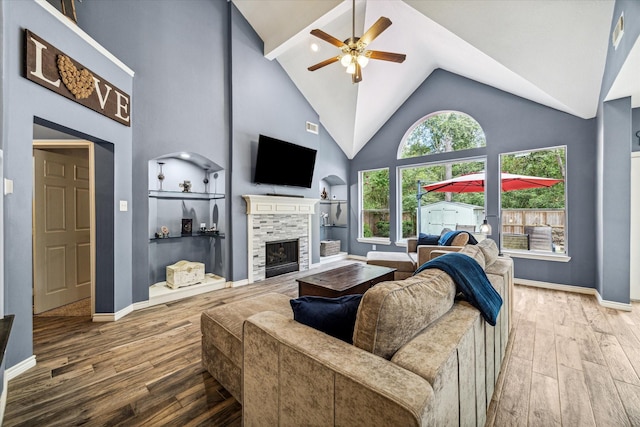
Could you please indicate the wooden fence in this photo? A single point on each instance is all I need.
(514, 221)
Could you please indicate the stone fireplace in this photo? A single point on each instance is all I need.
(275, 219)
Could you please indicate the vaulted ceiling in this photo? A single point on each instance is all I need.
(549, 51)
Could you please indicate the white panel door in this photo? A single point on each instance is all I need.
(62, 226)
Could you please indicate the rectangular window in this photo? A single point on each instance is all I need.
(533, 201)
(442, 204)
(374, 204)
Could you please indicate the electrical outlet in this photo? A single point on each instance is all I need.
(373, 247)
(123, 206)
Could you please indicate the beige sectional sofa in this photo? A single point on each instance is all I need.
(419, 357)
(407, 262)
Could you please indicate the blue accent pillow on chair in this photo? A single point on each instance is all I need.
(333, 316)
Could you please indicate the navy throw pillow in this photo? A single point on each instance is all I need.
(428, 239)
(333, 316)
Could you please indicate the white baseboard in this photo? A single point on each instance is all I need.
(112, 317)
(238, 283)
(19, 368)
(358, 257)
(3, 398)
(140, 305)
(576, 289)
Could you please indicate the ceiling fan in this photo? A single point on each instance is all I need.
(355, 55)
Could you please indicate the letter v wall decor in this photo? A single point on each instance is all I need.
(49, 67)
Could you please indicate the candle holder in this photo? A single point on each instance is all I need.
(160, 175)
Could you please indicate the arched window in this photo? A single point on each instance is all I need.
(442, 132)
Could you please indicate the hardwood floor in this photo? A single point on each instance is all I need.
(569, 362)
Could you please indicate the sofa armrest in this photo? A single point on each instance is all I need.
(293, 373)
(412, 245)
(424, 251)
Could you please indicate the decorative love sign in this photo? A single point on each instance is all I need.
(56, 71)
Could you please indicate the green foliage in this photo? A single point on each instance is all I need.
(443, 132)
(408, 228)
(543, 163)
(366, 230)
(382, 228)
(375, 189)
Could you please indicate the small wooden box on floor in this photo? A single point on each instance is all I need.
(184, 273)
(329, 247)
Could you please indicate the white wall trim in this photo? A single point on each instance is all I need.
(140, 305)
(3, 398)
(112, 317)
(20, 368)
(242, 282)
(84, 36)
(576, 289)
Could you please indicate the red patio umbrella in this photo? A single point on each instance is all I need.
(474, 182)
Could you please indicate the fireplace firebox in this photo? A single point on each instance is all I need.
(281, 257)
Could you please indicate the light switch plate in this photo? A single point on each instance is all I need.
(8, 186)
(123, 206)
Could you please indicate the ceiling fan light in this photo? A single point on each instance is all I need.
(363, 60)
(346, 60)
(351, 69)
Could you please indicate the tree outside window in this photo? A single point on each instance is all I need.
(374, 190)
(535, 219)
(440, 132)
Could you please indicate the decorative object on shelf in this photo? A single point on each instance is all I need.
(203, 226)
(184, 273)
(324, 194)
(325, 218)
(206, 180)
(164, 233)
(160, 175)
(186, 186)
(69, 9)
(187, 226)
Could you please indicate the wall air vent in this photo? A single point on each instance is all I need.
(618, 31)
(312, 127)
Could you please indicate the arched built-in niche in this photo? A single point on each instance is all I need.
(186, 221)
(334, 231)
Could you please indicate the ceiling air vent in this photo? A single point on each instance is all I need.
(618, 31)
(312, 127)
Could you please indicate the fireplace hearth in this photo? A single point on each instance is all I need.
(281, 257)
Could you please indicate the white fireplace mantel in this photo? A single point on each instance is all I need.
(261, 204)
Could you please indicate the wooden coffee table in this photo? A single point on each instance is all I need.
(351, 279)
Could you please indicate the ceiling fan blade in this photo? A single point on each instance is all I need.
(378, 27)
(386, 56)
(328, 38)
(357, 76)
(323, 63)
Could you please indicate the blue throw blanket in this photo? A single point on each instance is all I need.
(471, 281)
(447, 238)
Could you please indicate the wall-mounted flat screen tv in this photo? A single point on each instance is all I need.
(283, 163)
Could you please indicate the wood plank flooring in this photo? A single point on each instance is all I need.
(570, 362)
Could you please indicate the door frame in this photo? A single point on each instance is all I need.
(70, 144)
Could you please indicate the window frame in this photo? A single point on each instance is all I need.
(428, 116)
(536, 254)
(361, 238)
(400, 240)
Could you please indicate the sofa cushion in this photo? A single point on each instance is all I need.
(490, 251)
(391, 313)
(401, 261)
(454, 238)
(476, 253)
(333, 316)
(428, 239)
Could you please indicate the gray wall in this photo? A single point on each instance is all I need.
(510, 124)
(180, 97)
(265, 101)
(614, 142)
(635, 128)
(17, 135)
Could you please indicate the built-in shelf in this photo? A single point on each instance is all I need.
(333, 226)
(160, 239)
(184, 195)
